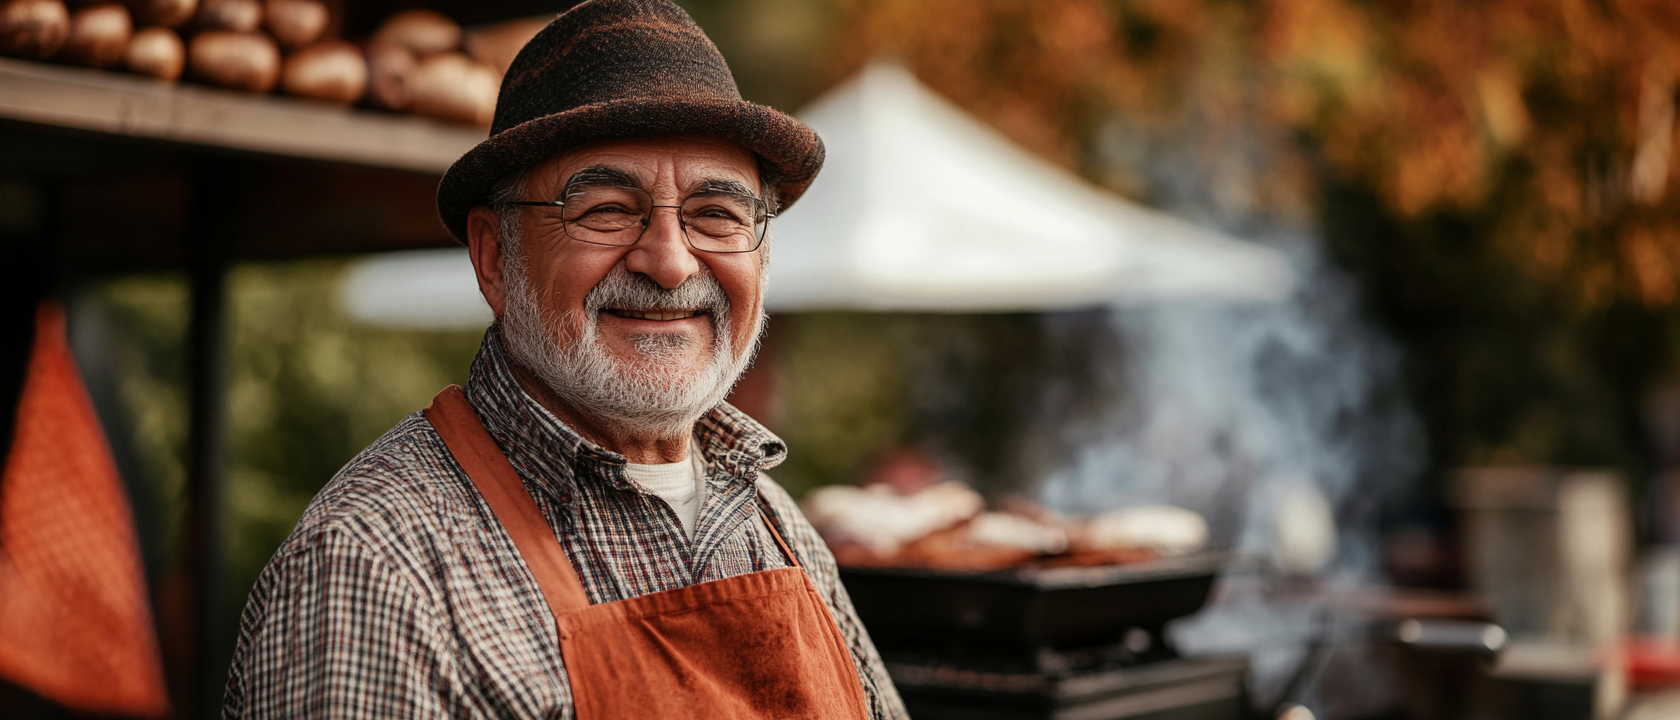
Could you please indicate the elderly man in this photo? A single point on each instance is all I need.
(585, 530)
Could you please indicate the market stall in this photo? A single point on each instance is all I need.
(136, 140)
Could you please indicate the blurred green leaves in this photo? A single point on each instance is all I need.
(307, 390)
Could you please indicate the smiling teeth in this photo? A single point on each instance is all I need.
(643, 315)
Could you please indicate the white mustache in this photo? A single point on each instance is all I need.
(665, 401)
(623, 290)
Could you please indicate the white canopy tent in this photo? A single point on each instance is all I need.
(918, 208)
(417, 290)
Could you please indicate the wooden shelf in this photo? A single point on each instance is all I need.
(131, 106)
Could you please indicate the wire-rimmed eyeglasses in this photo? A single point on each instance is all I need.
(613, 215)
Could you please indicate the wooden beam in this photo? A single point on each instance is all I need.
(131, 106)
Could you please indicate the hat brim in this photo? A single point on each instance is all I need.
(778, 139)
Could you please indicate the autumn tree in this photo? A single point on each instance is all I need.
(1500, 175)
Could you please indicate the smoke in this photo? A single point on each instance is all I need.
(1228, 407)
(1233, 410)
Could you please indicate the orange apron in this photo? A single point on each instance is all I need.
(758, 645)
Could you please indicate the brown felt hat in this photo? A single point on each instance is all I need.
(611, 69)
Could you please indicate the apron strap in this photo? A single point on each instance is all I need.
(488, 468)
(770, 524)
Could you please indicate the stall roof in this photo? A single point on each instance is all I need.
(133, 165)
(119, 105)
(922, 208)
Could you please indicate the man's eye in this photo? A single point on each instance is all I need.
(607, 210)
(718, 213)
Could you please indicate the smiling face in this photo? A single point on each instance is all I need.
(649, 335)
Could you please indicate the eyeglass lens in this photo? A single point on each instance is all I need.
(713, 221)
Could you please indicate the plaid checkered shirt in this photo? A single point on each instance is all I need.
(400, 595)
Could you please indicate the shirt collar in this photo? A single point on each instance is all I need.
(552, 454)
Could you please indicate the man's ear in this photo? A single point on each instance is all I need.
(484, 245)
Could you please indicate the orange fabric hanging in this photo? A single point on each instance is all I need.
(75, 626)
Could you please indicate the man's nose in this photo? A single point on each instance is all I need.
(662, 253)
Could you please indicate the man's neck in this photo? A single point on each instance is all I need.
(633, 443)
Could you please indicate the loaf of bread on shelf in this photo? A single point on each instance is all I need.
(413, 63)
(99, 35)
(496, 45)
(332, 70)
(389, 69)
(163, 13)
(295, 23)
(421, 32)
(241, 16)
(33, 29)
(450, 86)
(156, 52)
(240, 61)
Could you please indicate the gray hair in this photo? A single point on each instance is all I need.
(502, 197)
(769, 178)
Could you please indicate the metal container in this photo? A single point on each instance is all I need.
(1024, 610)
(1549, 548)
(1181, 689)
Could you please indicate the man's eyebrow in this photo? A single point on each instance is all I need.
(601, 175)
(719, 185)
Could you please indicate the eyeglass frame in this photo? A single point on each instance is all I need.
(758, 239)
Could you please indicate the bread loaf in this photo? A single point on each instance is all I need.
(99, 35)
(240, 16)
(295, 23)
(450, 86)
(421, 32)
(164, 13)
(157, 52)
(242, 61)
(496, 45)
(333, 71)
(33, 29)
(389, 69)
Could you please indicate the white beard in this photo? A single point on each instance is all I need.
(659, 398)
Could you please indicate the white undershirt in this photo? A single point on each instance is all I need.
(682, 485)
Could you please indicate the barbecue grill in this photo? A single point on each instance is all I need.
(1072, 643)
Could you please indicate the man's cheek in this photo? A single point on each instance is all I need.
(573, 325)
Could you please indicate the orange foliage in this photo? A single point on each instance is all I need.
(1551, 115)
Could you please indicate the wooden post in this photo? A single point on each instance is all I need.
(215, 193)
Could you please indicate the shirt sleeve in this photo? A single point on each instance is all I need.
(878, 688)
(332, 632)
